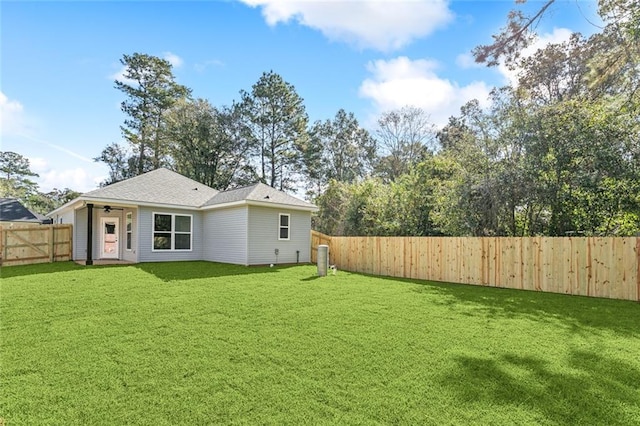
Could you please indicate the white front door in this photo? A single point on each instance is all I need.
(109, 231)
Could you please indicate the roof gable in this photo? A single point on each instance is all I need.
(259, 192)
(160, 186)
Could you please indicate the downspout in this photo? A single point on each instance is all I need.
(89, 260)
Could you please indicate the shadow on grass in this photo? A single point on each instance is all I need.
(577, 312)
(181, 271)
(311, 278)
(165, 271)
(38, 269)
(591, 389)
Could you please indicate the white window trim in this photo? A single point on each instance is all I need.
(288, 226)
(128, 219)
(173, 232)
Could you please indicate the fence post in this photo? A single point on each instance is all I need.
(638, 268)
(70, 242)
(51, 244)
(5, 240)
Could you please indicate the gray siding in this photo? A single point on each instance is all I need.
(66, 217)
(145, 233)
(80, 234)
(225, 232)
(130, 255)
(263, 236)
(245, 235)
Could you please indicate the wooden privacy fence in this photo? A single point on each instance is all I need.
(25, 244)
(317, 239)
(586, 266)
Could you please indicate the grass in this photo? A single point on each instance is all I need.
(204, 343)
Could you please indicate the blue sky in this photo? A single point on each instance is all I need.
(59, 60)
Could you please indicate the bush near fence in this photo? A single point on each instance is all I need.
(586, 266)
(26, 244)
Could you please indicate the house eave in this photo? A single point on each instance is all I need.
(282, 206)
(260, 204)
(82, 201)
(63, 207)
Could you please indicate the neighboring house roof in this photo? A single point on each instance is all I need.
(260, 193)
(11, 210)
(164, 187)
(42, 218)
(160, 186)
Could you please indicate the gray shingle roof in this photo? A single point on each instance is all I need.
(11, 210)
(160, 186)
(258, 192)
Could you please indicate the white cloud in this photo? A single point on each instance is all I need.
(558, 35)
(64, 168)
(78, 178)
(402, 81)
(213, 63)
(12, 116)
(466, 60)
(173, 59)
(380, 24)
(119, 76)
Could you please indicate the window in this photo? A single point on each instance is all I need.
(171, 232)
(283, 232)
(129, 230)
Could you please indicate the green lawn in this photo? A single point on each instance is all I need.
(204, 343)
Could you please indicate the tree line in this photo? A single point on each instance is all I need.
(556, 153)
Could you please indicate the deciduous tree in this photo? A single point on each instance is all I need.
(121, 162)
(404, 137)
(339, 149)
(209, 145)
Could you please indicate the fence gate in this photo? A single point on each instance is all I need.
(26, 244)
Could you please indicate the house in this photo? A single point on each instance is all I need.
(11, 210)
(164, 216)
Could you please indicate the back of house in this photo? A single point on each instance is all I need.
(164, 216)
